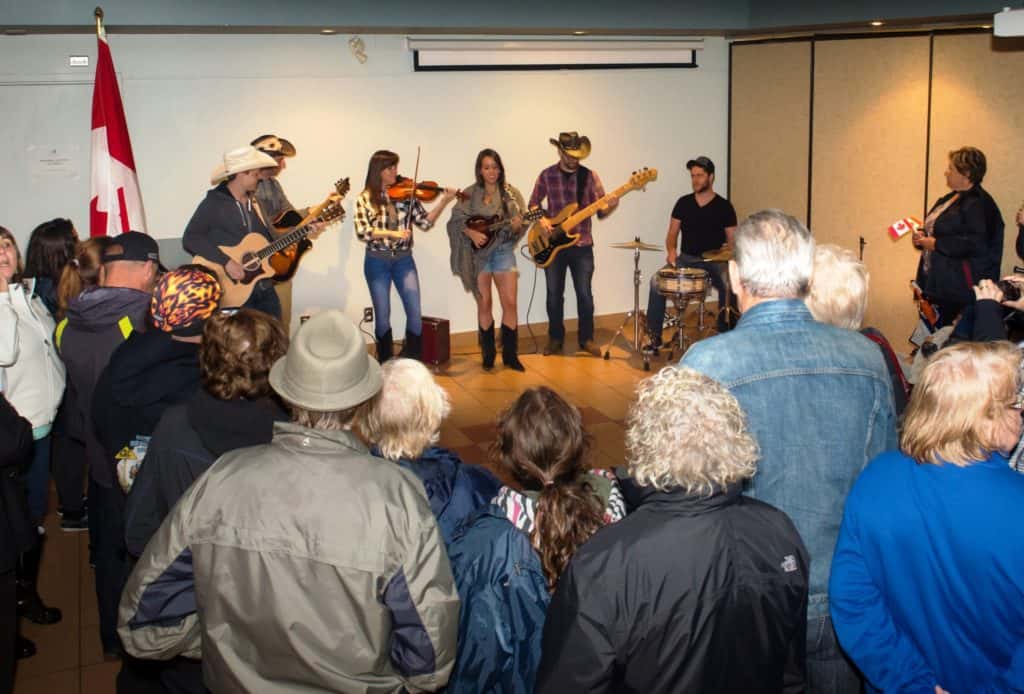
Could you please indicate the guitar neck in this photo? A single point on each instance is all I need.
(293, 236)
(594, 207)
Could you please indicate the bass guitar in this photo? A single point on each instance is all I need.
(286, 262)
(544, 248)
(253, 253)
(490, 226)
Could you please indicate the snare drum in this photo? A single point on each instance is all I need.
(672, 281)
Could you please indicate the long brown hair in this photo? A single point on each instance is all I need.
(542, 445)
(380, 160)
(81, 273)
(478, 170)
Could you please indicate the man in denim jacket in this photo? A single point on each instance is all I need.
(818, 399)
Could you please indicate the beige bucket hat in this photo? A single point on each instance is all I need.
(327, 367)
(239, 160)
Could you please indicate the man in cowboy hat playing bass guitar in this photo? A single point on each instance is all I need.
(562, 184)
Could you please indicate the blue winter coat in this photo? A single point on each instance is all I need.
(455, 490)
(505, 598)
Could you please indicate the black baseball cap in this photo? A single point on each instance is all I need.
(132, 245)
(703, 162)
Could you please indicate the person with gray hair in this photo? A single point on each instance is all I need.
(623, 614)
(305, 564)
(818, 400)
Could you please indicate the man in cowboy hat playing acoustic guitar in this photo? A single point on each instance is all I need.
(562, 184)
(227, 214)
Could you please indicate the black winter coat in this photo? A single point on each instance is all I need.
(17, 531)
(686, 594)
(968, 247)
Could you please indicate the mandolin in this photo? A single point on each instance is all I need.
(543, 249)
(490, 226)
(253, 253)
(286, 262)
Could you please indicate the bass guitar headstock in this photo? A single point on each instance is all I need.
(341, 187)
(641, 178)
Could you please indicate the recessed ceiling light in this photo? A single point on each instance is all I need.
(877, 23)
(579, 32)
(986, 26)
(328, 31)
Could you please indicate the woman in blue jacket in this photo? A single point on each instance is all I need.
(927, 584)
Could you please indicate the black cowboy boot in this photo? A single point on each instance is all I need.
(510, 348)
(412, 348)
(487, 348)
(30, 605)
(385, 347)
(24, 648)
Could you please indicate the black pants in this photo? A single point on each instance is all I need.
(106, 534)
(8, 630)
(67, 463)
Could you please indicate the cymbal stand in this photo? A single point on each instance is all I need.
(638, 317)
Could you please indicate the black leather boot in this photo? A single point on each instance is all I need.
(24, 648)
(510, 348)
(385, 347)
(412, 348)
(487, 347)
(30, 605)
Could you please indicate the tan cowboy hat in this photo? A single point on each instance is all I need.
(572, 144)
(327, 367)
(274, 146)
(240, 160)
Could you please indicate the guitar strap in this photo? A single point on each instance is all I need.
(582, 178)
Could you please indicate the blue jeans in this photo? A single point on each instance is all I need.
(37, 479)
(829, 671)
(579, 260)
(380, 274)
(656, 302)
(264, 298)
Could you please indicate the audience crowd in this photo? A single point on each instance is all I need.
(269, 514)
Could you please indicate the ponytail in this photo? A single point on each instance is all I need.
(81, 272)
(568, 513)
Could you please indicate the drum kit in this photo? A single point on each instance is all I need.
(681, 286)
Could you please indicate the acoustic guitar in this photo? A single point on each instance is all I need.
(253, 253)
(490, 226)
(544, 249)
(286, 262)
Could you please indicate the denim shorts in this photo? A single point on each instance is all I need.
(501, 259)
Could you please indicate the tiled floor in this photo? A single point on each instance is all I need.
(70, 659)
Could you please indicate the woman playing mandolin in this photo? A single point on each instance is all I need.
(483, 231)
(385, 226)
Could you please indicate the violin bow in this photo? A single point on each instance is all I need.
(412, 194)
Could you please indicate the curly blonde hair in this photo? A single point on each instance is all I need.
(839, 288)
(405, 416)
(237, 351)
(687, 431)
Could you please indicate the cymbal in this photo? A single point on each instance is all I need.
(636, 245)
(719, 254)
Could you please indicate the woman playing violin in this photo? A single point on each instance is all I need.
(483, 231)
(385, 226)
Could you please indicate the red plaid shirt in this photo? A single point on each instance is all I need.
(559, 188)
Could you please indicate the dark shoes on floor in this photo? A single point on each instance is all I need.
(32, 607)
(553, 347)
(24, 648)
(591, 348)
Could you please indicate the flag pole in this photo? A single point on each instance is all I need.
(98, 13)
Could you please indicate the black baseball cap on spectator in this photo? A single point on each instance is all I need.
(703, 162)
(132, 245)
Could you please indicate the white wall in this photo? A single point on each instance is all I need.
(189, 98)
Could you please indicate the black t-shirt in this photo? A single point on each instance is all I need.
(703, 228)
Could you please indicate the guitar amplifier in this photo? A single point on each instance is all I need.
(437, 343)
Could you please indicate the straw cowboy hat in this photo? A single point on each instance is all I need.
(572, 144)
(327, 367)
(240, 160)
(274, 146)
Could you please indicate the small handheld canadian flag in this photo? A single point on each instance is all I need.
(902, 227)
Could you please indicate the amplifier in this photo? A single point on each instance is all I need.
(437, 342)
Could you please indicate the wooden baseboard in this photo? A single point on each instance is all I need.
(463, 341)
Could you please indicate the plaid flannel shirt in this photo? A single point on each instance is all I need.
(559, 188)
(391, 217)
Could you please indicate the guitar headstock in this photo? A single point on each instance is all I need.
(342, 186)
(641, 178)
(332, 211)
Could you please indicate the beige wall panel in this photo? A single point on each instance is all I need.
(976, 101)
(870, 125)
(770, 127)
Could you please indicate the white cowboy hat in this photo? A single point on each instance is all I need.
(327, 367)
(239, 160)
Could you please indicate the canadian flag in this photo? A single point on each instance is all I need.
(902, 227)
(116, 205)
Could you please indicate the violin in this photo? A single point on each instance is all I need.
(426, 191)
